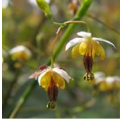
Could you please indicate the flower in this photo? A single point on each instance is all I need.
(109, 83)
(51, 79)
(20, 52)
(19, 55)
(87, 46)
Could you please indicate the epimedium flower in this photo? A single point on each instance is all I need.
(87, 46)
(51, 79)
(103, 83)
(20, 52)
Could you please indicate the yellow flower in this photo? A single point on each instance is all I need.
(109, 83)
(87, 46)
(20, 53)
(51, 79)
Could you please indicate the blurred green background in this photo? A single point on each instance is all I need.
(23, 23)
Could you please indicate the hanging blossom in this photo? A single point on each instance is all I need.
(51, 79)
(87, 46)
(103, 83)
(20, 53)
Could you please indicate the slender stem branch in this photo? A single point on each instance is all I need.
(22, 99)
(81, 12)
(102, 23)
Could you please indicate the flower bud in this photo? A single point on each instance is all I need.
(44, 6)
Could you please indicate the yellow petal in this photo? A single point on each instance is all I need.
(45, 80)
(59, 81)
(102, 53)
(96, 47)
(75, 51)
(98, 50)
(83, 48)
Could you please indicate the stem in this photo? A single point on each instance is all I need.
(81, 12)
(22, 99)
(104, 24)
(72, 22)
(10, 90)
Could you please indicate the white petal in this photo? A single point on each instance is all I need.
(110, 80)
(20, 48)
(99, 77)
(38, 72)
(63, 74)
(42, 74)
(84, 34)
(103, 40)
(73, 42)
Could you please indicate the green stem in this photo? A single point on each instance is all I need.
(23, 99)
(81, 12)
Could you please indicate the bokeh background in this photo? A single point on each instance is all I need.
(23, 23)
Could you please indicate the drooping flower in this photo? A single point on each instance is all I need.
(19, 55)
(51, 79)
(109, 83)
(20, 52)
(87, 46)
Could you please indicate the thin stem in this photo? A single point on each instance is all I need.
(72, 22)
(53, 47)
(102, 23)
(22, 99)
(81, 12)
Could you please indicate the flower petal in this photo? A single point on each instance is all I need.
(59, 81)
(83, 48)
(44, 79)
(73, 42)
(98, 49)
(103, 40)
(75, 51)
(39, 71)
(102, 53)
(84, 34)
(63, 74)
